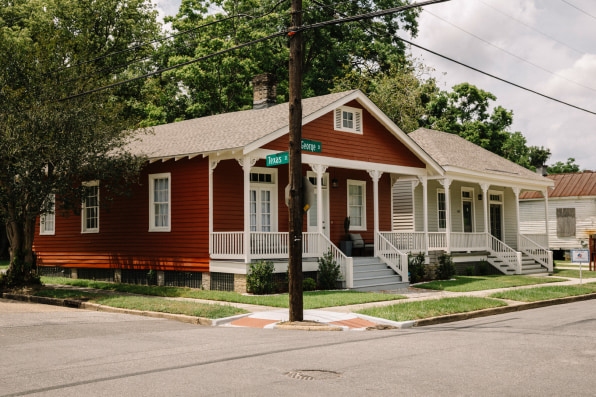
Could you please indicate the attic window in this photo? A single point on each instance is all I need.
(348, 119)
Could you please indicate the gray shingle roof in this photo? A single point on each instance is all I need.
(450, 150)
(223, 131)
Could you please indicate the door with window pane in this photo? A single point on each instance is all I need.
(260, 210)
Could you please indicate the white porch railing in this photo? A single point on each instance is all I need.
(506, 254)
(437, 241)
(538, 239)
(414, 241)
(468, 241)
(536, 252)
(227, 245)
(405, 241)
(393, 257)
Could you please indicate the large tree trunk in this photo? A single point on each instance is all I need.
(20, 233)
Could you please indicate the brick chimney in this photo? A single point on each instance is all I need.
(264, 90)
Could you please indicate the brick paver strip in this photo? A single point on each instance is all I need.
(354, 323)
(252, 322)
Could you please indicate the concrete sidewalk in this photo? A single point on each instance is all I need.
(339, 318)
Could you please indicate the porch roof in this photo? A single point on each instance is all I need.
(222, 132)
(456, 154)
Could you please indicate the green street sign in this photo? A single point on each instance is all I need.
(278, 159)
(311, 146)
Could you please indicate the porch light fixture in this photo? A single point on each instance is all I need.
(334, 183)
(480, 197)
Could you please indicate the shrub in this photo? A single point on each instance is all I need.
(260, 278)
(446, 268)
(483, 268)
(416, 268)
(309, 284)
(329, 272)
(469, 271)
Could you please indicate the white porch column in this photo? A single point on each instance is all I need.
(516, 191)
(545, 194)
(446, 183)
(484, 187)
(376, 175)
(246, 163)
(319, 170)
(212, 165)
(424, 181)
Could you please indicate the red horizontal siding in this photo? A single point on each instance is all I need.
(376, 144)
(124, 238)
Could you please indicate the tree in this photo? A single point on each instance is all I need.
(563, 168)
(222, 84)
(402, 92)
(50, 146)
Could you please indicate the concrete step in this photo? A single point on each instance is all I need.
(370, 266)
(364, 260)
(385, 271)
(377, 279)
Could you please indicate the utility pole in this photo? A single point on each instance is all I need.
(295, 123)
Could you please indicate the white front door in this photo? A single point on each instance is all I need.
(312, 226)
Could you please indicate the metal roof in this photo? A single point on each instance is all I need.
(568, 185)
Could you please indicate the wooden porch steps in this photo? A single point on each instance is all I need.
(529, 266)
(370, 274)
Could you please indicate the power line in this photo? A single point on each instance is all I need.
(173, 36)
(290, 33)
(579, 9)
(532, 28)
(511, 54)
(496, 77)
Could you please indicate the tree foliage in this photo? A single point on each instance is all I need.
(564, 168)
(48, 145)
(222, 84)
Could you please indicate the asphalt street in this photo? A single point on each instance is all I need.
(52, 351)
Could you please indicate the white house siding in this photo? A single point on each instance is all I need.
(403, 206)
(419, 206)
(532, 216)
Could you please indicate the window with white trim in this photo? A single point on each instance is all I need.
(90, 208)
(47, 221)
(348, 119)
(357, 204)
(263, 200)
(160, 209)
(441, 210)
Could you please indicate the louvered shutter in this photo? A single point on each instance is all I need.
(358, 121)
(338, 119)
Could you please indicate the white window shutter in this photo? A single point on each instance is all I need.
(358, 121)
(337, 119)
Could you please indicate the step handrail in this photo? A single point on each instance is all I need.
(505, 253)
(394, 258)
(346, 263)
(535, 251)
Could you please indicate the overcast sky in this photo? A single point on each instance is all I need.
(548, 46)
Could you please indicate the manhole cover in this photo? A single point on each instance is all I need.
(313, 374)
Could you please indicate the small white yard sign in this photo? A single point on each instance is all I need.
(580, 256)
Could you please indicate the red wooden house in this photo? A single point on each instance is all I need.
(208, 205)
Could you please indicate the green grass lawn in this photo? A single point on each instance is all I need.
(481, 283)
(145, 303)
(431, 308)
(312, 299)
(546, 293)
(572, 273)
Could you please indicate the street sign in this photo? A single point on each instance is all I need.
(311, 146)
(278, 159)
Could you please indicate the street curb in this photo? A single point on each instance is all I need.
(76, 304)
(501, 310)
